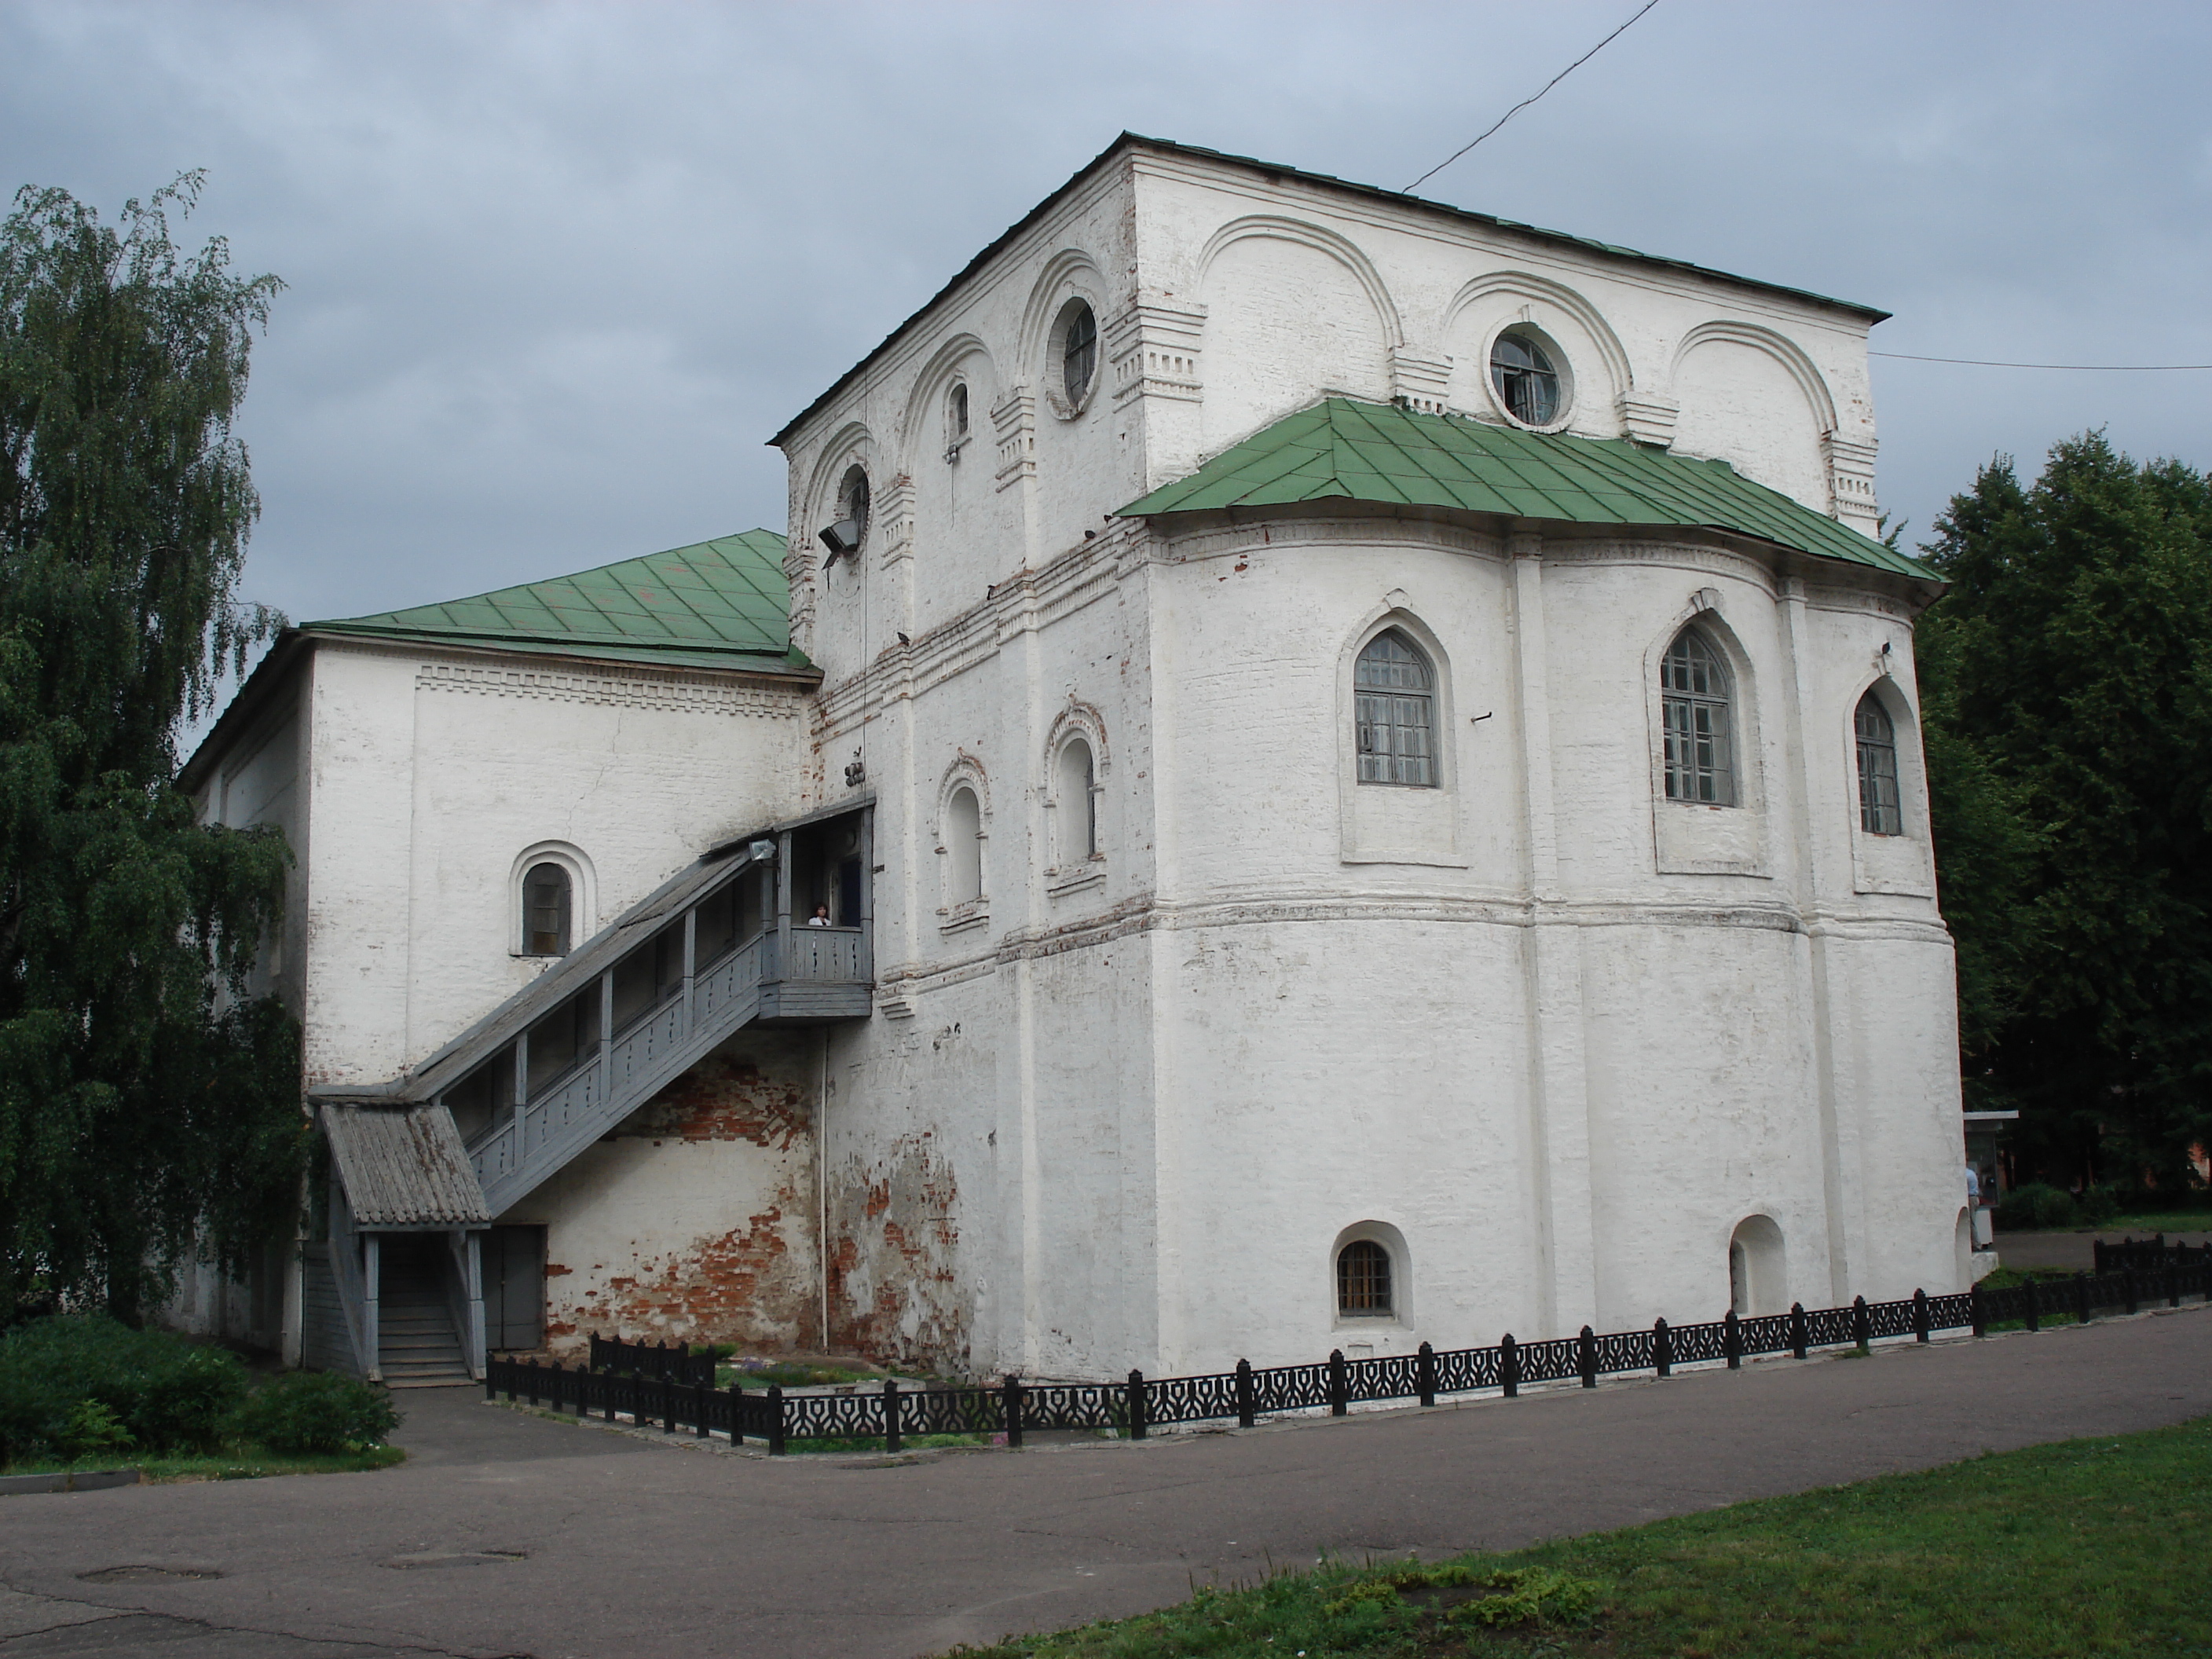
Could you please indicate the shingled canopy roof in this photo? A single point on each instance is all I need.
(713, 605)
(1343, 450)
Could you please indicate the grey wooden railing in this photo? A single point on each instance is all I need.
(549, 1127)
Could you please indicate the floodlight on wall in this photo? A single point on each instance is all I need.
(763, 852)
(842, 538)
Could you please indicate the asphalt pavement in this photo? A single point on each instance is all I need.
(511, 1533)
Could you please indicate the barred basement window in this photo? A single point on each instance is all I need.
(1694, 710)
(545, 907)
(1363, 1279)
(1881, 812)
(1394, 709)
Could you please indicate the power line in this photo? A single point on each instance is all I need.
(1531, 98)
(2085, 368)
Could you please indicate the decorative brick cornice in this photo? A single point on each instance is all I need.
(673, 693)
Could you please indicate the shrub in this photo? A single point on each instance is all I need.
(167, 1395)
(317, 1411)
(2099, 1205)
(2036, 1206)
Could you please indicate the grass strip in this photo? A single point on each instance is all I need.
(240, 1463)
(2094, 1547)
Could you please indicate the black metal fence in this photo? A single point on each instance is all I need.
(678, 1395)
(2148, 1255)
(662, 1362)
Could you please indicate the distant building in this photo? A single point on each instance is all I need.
(1360, 765)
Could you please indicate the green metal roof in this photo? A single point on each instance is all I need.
(1342, 450)
(705, 605)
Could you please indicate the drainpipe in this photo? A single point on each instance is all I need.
(821, 1179)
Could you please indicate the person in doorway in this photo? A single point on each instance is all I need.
(820, 918)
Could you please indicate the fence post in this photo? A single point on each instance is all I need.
(1663, 1349)
(1013, 1398)
(610, 1383)
(1339, 1384)
(1919, 1315)
(2172, 1287)
(668, 1386)
(2097, 1254)
(1508, 1366)
(533, 1383)
(2128, 1288)
(737, 1415)
(1248, 1405)
(2081, 1297)
(1862, 1324)
(491, 1378)
(1586, 1357)
(1732, 1340)
(1797, 1330)
(594, 1361)
(699, 1393)
(1136, 1405)
(1425, 1374)
(775, 1421)
(1977, 1314)
(890, 1414)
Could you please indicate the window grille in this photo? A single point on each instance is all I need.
(1362, 1278)
(545, 906)
(1079, 353)
(1880, 809)
(1394, 697)
(1700, 759)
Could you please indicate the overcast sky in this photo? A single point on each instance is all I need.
(556, 271)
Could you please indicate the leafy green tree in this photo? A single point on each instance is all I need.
(146, 1101)
(2067, 685)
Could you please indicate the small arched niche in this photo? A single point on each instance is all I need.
(1759, 1280)
(1075, 803)
(551, 901)
(962, 847)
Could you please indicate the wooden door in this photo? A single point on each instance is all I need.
(515, 1288)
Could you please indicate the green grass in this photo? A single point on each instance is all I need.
(2088, 1547)
(238, 1463)
(2164, 1221)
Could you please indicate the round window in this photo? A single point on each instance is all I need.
(1526, 381)
(1079, 352)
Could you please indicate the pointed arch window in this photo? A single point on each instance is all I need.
(1697, 694)
(1395, 694)
(1882, 811)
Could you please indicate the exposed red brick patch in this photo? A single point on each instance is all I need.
(726, 1098)
(894, 1292)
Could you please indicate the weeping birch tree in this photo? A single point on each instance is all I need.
(148, 1105)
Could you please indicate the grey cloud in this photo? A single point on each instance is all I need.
(556, 271)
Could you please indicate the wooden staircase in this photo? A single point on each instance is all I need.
(417, 1346)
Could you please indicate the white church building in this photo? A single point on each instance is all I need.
(1314, 770)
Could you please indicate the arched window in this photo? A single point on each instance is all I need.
(1079, 352)
(547, 902)
(852, 501)
(1075, 796)
(963, 847)
(1700, 742)
(1395, 696)
(956, 411)
(1881, 812)
(1363, 1279)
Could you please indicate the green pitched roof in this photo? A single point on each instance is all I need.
(1348, 451)
(713, 605)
